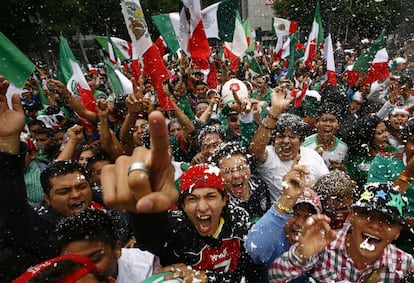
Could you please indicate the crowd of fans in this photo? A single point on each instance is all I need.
(256, 189)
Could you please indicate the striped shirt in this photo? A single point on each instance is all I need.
(335, 265)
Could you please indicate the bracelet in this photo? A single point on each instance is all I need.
(283, 208)
(271, 116)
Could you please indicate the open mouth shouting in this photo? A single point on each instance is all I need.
(370, 242)
(238, 190)
(327, 130)
(204, 225)
(285, 152)
(77, 207)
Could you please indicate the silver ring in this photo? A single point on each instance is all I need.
(137, 166)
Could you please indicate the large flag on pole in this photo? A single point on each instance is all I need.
(141, 40)
(14, 65)
(373, 62)
(315, 38)
(330, 63)
(193, 37)
(70, 73)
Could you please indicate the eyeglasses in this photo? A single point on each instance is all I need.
(242, 169)
(212, 145)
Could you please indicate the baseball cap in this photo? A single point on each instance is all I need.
(309, 196)
(382, 197)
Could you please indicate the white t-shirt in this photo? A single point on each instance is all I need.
(338, 152)
(135, 265)
(273, 169)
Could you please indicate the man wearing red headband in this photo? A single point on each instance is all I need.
(202, 240)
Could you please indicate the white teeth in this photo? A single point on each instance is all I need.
(204, 217)
(371, 236)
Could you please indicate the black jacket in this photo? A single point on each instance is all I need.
(25, 233)
(172, 237)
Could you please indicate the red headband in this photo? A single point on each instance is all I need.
(87, 267)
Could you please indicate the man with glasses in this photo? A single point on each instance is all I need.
(245, 189)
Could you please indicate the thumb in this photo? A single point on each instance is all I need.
(17, 106)
(155, 202)
(296, 160)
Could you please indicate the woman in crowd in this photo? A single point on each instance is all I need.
(369, 137)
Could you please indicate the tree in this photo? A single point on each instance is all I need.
(352, 19)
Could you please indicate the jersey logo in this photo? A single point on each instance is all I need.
(223, 259)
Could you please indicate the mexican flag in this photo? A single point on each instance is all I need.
(283, 27)
(209, 15)
(373, 63)
(112, 54)
(295, 52)
(226, 19)
(161, 45)
(193, 37)
(330, 63)
(70, 73)
(249, 37)
(14, 66)
(148, 52)
(281, 49)
(169, 27)
(118, 82)
(236, 48)
(254, 67)
(121, 47)
(315, 38)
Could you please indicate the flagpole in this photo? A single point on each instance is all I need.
(82, 48)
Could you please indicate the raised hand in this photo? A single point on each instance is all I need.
(11, 120)
(150, 188)
(315, 236)
(297, 177)
(281, 98)
(183, 271)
